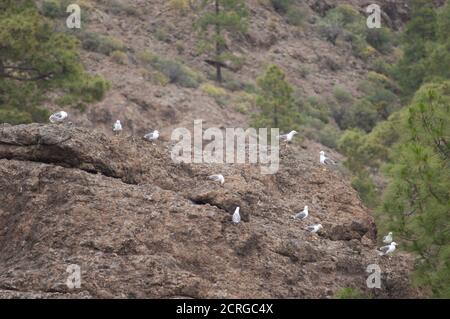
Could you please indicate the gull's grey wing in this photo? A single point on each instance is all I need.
(301, 215)
(384, 249)
(310, 228)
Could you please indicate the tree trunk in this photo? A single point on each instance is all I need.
(218, 48)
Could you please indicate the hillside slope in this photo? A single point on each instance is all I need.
(314, 66)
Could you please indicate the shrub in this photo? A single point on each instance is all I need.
(331, 63)
(177, 72)
(350, 293)
(52, 9)
(90, 89)
(119, 57)
(213, 90)
(102, 44)
(381, 39)
(344, 14)
(147, 57)
(162, 34)
(180, 5)
(174, 71)
(366, 189)
(329, 135)
(280, 6)
(330, 31)
(363, 114)
(379, 65)
(296, 15)
(15, 117)
(342, 95)
(120, 6)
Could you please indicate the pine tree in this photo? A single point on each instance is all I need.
(220, 18)
(275, 102)
(417, 199)
(35, 60)
(419, 34)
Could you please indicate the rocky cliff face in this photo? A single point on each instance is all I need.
(139, 225)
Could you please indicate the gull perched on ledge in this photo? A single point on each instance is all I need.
(217, 178)
(236, 216)
(326, 160)
(152, 136)
(287, 137)
(314, 228)
(117, 128)
(58, 117)
(389, 249)
(388, 238)
(302, 215)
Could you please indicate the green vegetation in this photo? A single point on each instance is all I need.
(275, 102)
(34, 61)
(350, 293)
(119, 57)
(99, 43)
(419, 35)
(410, 146)
(346, 23)
(174, 71)
(227, 17)
(295, 14)
(417, 200)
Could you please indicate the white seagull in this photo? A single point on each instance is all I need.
(152, 136)
(326, 160)
(388, 238)
(117, 127)
(236, 216)
(387, 249)
(314, 228)
(302, 215)
(288, 137)
(58, 117)
(217, 178)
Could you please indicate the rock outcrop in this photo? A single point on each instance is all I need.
(140, 225)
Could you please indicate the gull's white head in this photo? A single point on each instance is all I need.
(306, 207)
(319, 226)
(390, 233)
(322, 153)
(394, 243)
(118, 122)
(294, 132)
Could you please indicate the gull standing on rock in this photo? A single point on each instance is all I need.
(236, 216)
(388, 238)
(288, 137)
(302, 215)
(324, 160)
(152, 136)
(117, 127)
(58, 117)
(389, 249)
(314, 228)
(217, 178)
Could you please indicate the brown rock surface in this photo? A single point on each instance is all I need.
(140, 225)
